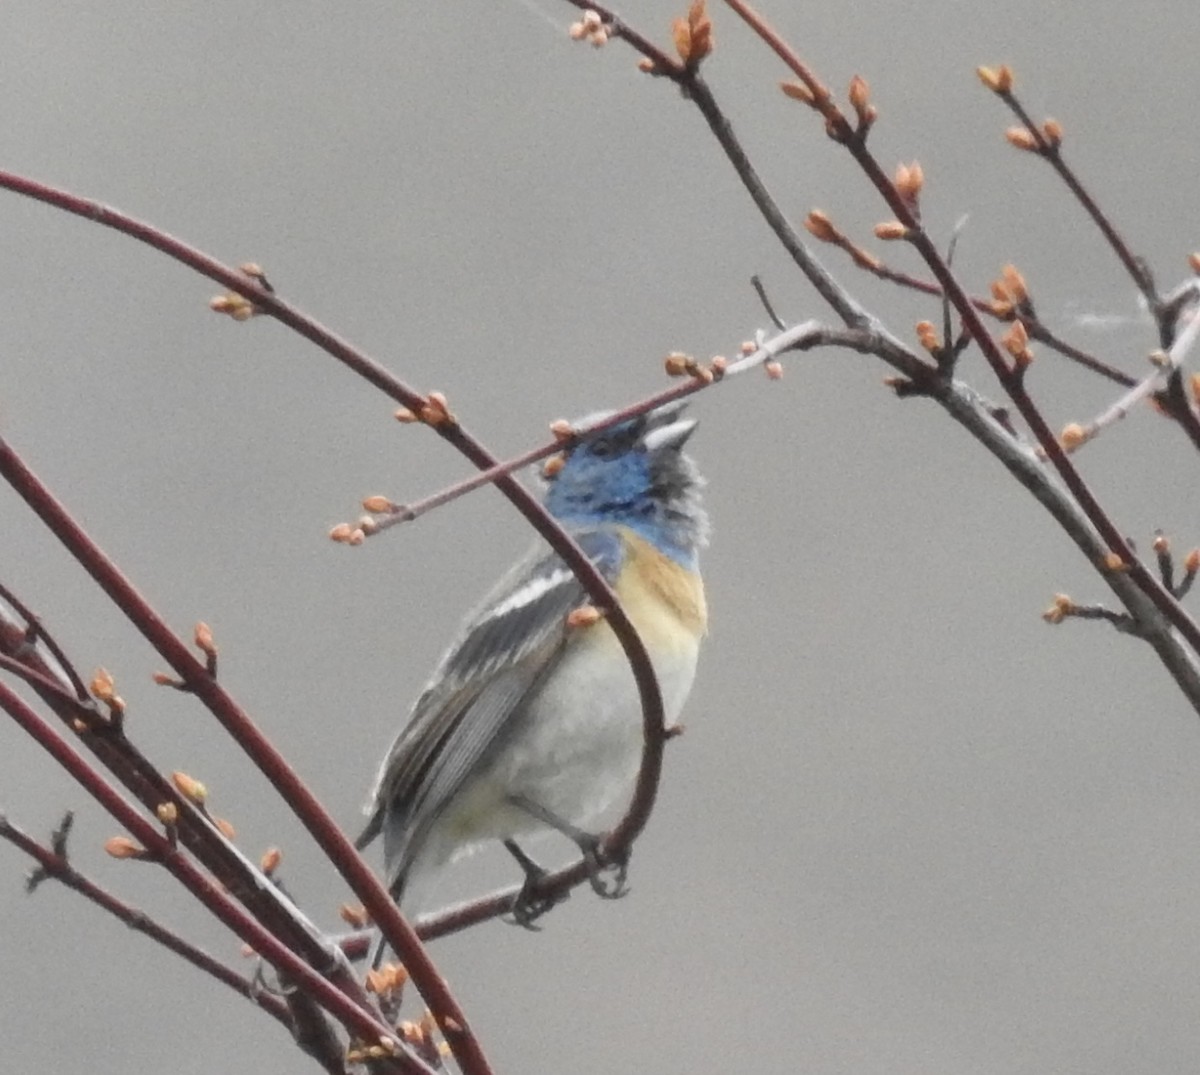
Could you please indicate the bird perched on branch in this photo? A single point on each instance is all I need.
(532, 720)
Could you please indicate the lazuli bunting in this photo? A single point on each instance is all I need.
(530, 725)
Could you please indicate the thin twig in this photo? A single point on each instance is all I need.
(55, 865)
(35, 626)
(319, 824)
(797, 337)
(1010, 376)
(1052, 153)
(357, 1019)
(260, 750)
(1167, 365)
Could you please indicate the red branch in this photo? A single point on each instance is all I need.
(60, 869)
(355, 1018)
(593, 582)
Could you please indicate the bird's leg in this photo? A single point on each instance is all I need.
(529, 905)
(605, 875)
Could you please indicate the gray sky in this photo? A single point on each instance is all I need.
(910, 828)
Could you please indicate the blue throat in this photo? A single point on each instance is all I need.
(675, 542)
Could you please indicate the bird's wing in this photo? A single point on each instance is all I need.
(504, 653)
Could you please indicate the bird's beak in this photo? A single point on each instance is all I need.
(667, 428)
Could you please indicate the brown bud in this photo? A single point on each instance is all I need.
(797, 91)
(436, 410)
(890, 230)
(1021, 138)
(355, 916)
(927, 336)
(702, 31)
(386, 979)
(552, 466)
(270, 860)
(561, 429)
(646, 64)
(413, 1032)
(1072, 436)
(122, 847)
(203, 637)
(1052, 132)
(1016, 343)
(1162, 544)
(233, 305)
(996, 79)
(1194, 263)
(773, 368)
(380, 505)
(225, 828)
(403, 414)
(103, 686)
(1063, 606)
(1014, 284)
(819, 226)
(1191, 563)
(1113, 562)
(910, 178)
(584, 616)
(860, 94)
(189, 787)
(340, 533)
(168, 813)
(682, 37)
(676, 363)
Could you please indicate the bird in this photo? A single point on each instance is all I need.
(532, 722)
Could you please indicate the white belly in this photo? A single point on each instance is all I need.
(576, 752)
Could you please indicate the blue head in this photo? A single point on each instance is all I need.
(636, 475)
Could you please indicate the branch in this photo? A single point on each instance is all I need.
(796, 338)
(1010, 376)
(55, 865)
(356, 1019)
(1047, 145)
(270, 762)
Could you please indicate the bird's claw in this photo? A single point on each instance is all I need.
(606, 874)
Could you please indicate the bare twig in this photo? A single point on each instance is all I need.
(797, 337)
(1011, 376)
(1050, 150)
(1166, 363)
(333, 843)
(54, 864)
(356, 1018)
(256, 745)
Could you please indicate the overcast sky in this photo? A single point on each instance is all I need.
(911, 828)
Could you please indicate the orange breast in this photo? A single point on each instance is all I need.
(661, 596)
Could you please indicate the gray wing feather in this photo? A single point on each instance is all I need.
(482, 683)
